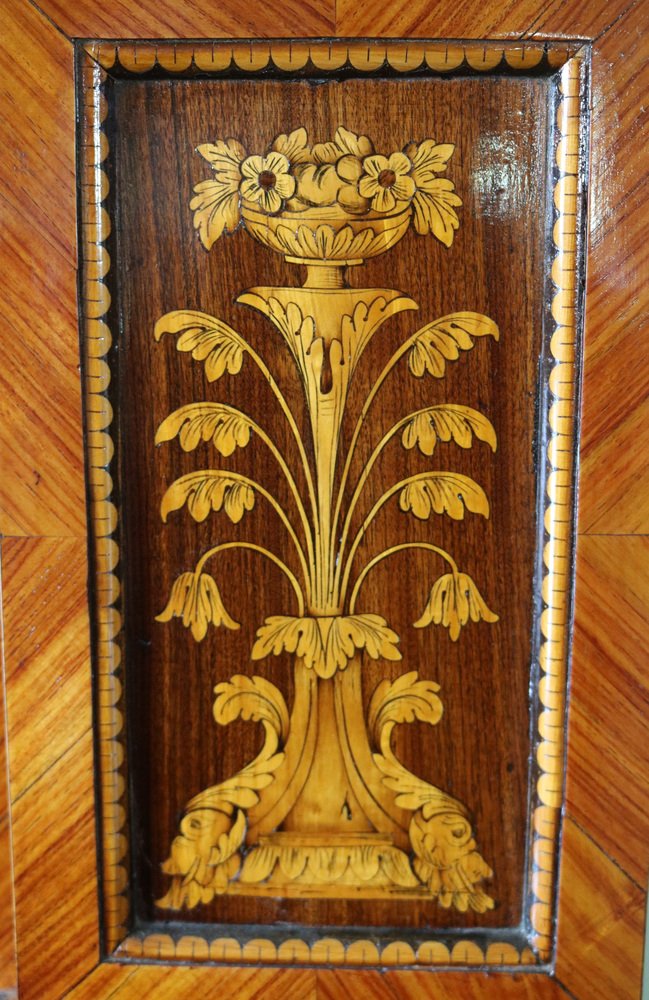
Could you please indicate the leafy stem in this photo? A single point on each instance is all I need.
(277, 392)
(394, 360)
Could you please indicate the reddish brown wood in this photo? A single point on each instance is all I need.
(35, 53)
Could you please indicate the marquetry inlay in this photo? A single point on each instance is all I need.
(296, 441)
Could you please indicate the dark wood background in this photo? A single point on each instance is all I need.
(480, 751)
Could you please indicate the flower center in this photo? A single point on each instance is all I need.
(267, 180)
(387, 178)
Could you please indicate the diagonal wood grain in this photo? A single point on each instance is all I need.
(51, 766)
(41, 486)
(56, 891)
(422, 19)
(46, 652)
(7, 930)
(333, 985)
(608, 736)
(160, 983)
(187, 19)
(579, 18)
(600, 925)
(614, 490)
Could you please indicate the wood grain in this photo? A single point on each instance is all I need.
(8, 972)
(596, 898)
(41, 488)
(185, 19)
(601, 922)
(614, 492)
(611, 799)
(46, 654)
(160, 983)
(51, 779)
(421, 19)
(176, 765)
(334, 985)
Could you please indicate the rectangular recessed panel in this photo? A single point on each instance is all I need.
(331, 322)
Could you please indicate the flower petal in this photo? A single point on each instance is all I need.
(276, 163)
(383, 200)
(368, 186)
(270, 200)
(403, 188)
(373, 165)
(400, 163)
(251, 190)
(285, 185)
(252, 167)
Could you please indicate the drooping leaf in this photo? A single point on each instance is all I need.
(251, 698)
(224, 425)
(444, 493)
(196, 599)
(449, 422)
(327, 644)
(404, 700)
(443, 339)
(207, 338)
(454, 600)
(207, 490)
(434, 210)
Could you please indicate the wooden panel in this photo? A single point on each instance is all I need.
(579, 18)
(32, 54)
(614, 492)
(421, 19)
(601, 923)
(41, 488)
(7, 926)
(440, 985)
(609, 721)
(185, 19)
(146, 983)
(46, 653)
(48, 711)
(164, 698)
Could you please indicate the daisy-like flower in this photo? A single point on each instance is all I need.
(266, 180)
(386, 181)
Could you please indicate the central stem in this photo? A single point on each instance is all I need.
(325, 276)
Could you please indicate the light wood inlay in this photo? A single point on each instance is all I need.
(600, 917)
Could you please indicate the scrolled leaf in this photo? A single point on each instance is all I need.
(404, 700)
(251, 698)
